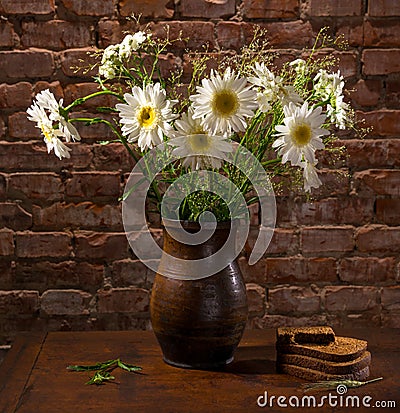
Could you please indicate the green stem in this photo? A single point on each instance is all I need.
(82, 100)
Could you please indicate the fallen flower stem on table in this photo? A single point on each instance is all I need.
(333, 384)
(103, 370)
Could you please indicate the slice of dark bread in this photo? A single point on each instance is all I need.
(329, 367)
(315, 375)
(305, 335)
(341, 350)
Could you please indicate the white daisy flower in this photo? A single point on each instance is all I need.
(130, 44)
(47, 100)
(299, 137)
(310, 175)
(146, 115)
(223, 103)
(197, 148)
(51, 136)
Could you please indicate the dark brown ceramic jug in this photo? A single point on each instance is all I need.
(199, 323)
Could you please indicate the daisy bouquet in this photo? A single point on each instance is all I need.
(284, 117)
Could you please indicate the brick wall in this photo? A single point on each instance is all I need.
(64, 259)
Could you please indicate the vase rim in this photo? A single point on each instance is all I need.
(177, 223)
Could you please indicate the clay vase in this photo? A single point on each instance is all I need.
(199, 323)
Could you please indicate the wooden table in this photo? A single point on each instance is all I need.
(34, 379)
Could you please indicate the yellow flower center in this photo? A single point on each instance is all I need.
(225, 103)
(47, 132)
(146, 116)
(199, 142)
(301, 134)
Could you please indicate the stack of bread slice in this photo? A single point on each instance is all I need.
(317, 354)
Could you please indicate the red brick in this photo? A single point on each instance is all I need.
(284, 34)
(210, 9)
(30, 63)
(123, 300)
(54, 87)
(384, 122)
(21, 128)
(269, 9)
(197, 33)
(351, 298)
(255, 299)
(379, 181)
(390, 298)
(275, 321)
(390, 319)
(13, 216)
(284, 241)
(378, 238)
(101, 245)
(85, 215)
(147, 8)
(65, 302)
(97, 184)
(8, 37)
(110, 32)
(34, 157)
(6, 242)
(320, 240)
(388, 211)
(56, 34)
(392, 93)
(38, 187)
(43, 275)
(293, 300)
(381, 61)
(300, 270)
(25, 7)
(101, 8)
(126, 273)
(112, 157)
(393, 152)
(16, 96)
(381, 33)
(19, 302)
(3, 187)
(253, 273)
(352, 30)
(349, 210)
(78, 58)
(383, 8)
(367, 270)
(335, 8)
(43, 244)
(229, 35)
(377, 150)
(367, 92)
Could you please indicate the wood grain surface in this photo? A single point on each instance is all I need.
(33, 377)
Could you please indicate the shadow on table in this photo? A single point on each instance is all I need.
(253, 360)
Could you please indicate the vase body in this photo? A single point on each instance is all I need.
(199, 323)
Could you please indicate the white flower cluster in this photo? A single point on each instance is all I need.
(329, 86)
(224, 104)
(115, 55)
(45, 111)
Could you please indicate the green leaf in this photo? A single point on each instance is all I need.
(97, 366)
(128, 367)
(99, 377)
